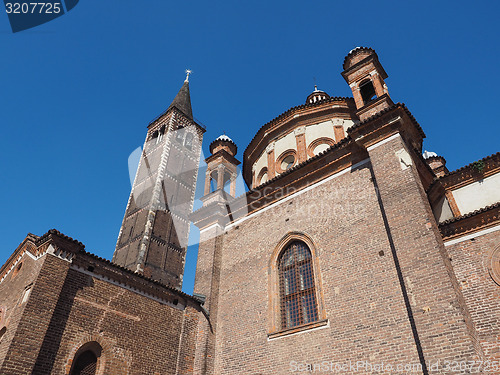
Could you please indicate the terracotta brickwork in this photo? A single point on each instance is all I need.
(388, 289)
(155, 229)
(12, 289)
(344, 238)
(433, 295)
(475, 263)
(73, 302)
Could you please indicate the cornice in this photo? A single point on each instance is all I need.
(471, 222)
(468, 174)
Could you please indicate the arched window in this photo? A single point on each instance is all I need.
(179, 134)
(160, 134)
(262, 177)
(227, 182)
(367, 91)
(188, 143)
(87, 360)
(154, 135)
(214, 175)
(85, 364)
(297, 291)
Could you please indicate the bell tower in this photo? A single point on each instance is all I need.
(222, 166)
(365, 75)
(154, 234)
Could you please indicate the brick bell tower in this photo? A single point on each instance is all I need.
(366, 77)
(154, 234)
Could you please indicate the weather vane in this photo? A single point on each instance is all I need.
(188, 72)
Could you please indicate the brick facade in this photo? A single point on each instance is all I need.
(475, 263)
(393, 285)
(77, 299)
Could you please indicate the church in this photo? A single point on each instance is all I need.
(353, 250)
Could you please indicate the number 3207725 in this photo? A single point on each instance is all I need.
(18, 8)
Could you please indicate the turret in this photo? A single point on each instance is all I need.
(365, 75)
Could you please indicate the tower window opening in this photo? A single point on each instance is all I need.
(160, 134)
(213, 181)
(227, 182)
(367, 91)
(179, 135)
(188, 143)
(26, 294)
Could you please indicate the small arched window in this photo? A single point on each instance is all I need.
(179, 134)
(160, 134)
(297, 290)
(86, 364)
(188, 143)
(86, 360)
(367, 91)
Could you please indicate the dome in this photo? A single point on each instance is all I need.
(223, 142)
(316, 96)
(223, 137)
(429, 154)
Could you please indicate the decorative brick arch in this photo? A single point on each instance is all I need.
(319, 141)
(99, 346)
(261, 174)
(274, 316)
(279, 160)
(493, 264)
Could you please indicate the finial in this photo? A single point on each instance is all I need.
(188, 72)
(315, 85)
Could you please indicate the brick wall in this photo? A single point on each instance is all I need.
(68, 308)
(471, 260)
(440, 316)
(388, 288)
(362, 296)
(11, 292)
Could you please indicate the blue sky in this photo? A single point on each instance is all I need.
(78, 92)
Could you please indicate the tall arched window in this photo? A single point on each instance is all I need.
(297, 291)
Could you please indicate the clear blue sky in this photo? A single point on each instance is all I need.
(78, 92)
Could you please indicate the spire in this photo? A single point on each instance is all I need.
(183, 100)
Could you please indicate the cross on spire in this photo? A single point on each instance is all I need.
(188, 72)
